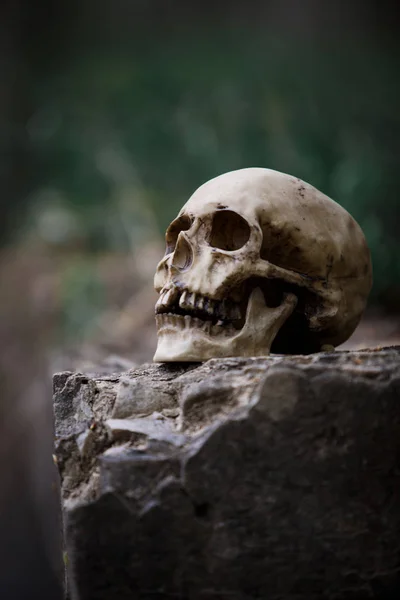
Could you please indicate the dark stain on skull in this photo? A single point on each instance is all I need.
(302, 190)
(281, 248)
(329, 265)
(221, 206)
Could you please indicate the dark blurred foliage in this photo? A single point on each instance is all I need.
(144, 101)
(119, 109)
(30, 526)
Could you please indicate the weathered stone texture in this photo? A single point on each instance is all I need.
(269, 478)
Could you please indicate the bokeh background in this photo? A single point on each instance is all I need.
(114, 111)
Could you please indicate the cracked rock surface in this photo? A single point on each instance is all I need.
(266, 478)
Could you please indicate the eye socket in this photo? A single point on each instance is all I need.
(229, 231)
(182, 223)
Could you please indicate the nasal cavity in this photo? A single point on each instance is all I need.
(183, 255)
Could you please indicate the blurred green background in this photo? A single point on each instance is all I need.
(118, 110)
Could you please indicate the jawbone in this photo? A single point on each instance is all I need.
(187, 339)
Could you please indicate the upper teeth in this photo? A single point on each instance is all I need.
(220, 309)
(187, 300)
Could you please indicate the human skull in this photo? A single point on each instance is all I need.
(259, 261)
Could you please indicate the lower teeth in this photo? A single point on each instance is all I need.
(187, 321)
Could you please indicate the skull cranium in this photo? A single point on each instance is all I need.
(259, 260)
